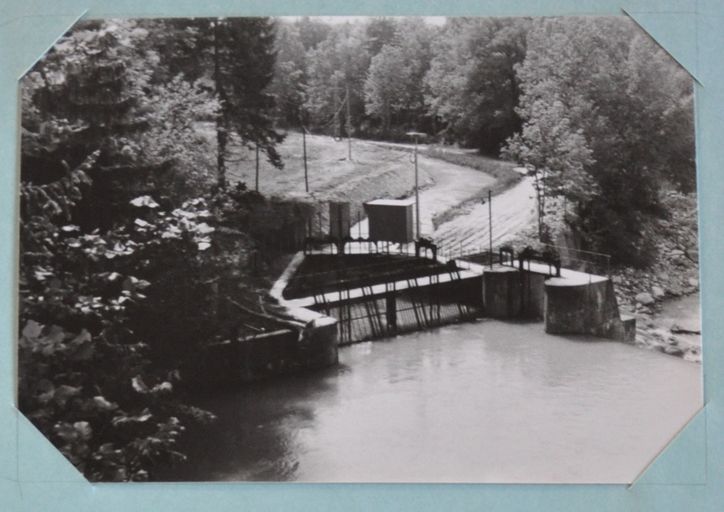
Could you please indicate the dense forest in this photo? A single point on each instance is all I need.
(598, 111)
(127, 215)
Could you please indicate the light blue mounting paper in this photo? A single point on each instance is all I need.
(688, 475)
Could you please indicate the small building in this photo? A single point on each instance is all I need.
(391, 220)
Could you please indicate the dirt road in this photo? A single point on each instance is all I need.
(512, 211)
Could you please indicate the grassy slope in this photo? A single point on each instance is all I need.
(376, 171)
(373, 173)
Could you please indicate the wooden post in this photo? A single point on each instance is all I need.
(221, 124)
(304, 155)
(349, 127)
(490, 225)
(257, 168)
(391, 313)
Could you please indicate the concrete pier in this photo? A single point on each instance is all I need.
(501, 292)
(589, 308)
(574, 303)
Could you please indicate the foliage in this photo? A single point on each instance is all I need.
(385, 85)
(83, 96)
(380, 32)
(97, 90)
(312, 32)
(607, 121)
(394, 86)
(175, 108)
(86, 377)
(472, 83)
(243, 69)
(289, 75)
(337, 64)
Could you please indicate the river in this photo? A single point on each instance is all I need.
(474, 402)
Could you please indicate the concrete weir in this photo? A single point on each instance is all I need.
(313, 327)
(305, 340)
(573, 302)
(570, 303)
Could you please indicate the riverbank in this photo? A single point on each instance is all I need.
(674, 329)
(665, 296)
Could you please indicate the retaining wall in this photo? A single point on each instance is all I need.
(270, 354)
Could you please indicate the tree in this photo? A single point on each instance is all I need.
(338, 63)
(174, 110)
(385, 86)
(596, 98)
(243, 54)
(312, 32)
(89, 94)
(394, 88)
(232, 59)
(85, 377)
(379, 32)
(472, 85)
(289, 81)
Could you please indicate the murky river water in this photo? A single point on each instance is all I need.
(477, 402)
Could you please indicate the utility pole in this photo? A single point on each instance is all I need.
(335, 102)
(417, 194)
(257, 168)
(304, 155)
(221, 120)
(349, 126)
(490, 225)
(415, 135)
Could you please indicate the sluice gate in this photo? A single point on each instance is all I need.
(374, 292)
(395, 307)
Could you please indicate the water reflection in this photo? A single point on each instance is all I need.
(482, 402)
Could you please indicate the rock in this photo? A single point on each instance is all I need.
(693, 282)
(675, 289)
(657, 292)
(674, 351)
(678, 329)
(644, 298)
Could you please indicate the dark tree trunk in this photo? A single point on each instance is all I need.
(221, 129)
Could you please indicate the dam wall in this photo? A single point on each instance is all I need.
(510, 293)
(275, 353)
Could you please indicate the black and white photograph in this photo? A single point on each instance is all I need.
(358, 249)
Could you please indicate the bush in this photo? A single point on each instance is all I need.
(86, 377)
